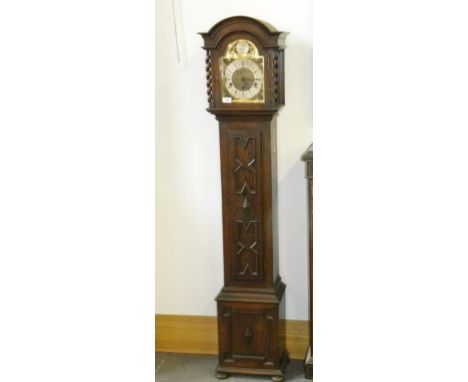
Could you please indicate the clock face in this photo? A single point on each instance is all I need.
(243, 79)
(242, 73)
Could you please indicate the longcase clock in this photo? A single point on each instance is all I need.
(245, 86)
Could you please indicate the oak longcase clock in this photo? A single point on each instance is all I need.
(245, 86)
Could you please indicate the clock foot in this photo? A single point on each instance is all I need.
(221, 375)
(277, 378)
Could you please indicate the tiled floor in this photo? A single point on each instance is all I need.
(200, 368)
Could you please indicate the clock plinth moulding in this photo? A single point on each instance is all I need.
(245, 87)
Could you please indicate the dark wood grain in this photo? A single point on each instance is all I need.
(307, 157)
(251, 305)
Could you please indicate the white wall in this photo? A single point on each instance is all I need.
(391, 186)
(189, 269)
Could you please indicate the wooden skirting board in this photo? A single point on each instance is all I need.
(199, 335)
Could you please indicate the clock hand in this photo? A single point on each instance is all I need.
(246, 81)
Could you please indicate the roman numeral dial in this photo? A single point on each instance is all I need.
(243, 79)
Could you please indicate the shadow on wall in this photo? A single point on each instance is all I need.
(292, 221)
(295, 119)
(294, 136)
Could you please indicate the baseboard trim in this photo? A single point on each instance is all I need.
(199, 335)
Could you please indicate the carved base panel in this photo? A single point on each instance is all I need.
(251, 334)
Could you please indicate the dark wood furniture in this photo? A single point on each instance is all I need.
(307, 157)
(251, 306)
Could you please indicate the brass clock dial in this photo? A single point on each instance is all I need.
(242, 73)
(243, 79)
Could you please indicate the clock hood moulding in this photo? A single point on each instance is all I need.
(268, 35)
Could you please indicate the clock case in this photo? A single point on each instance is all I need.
(251, 304)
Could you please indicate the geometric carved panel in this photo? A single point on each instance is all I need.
(245, 177)
(247, 250)
(247, 256)
(248, 334)
(250, 327)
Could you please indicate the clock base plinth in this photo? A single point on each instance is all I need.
(251, 331)
(276, 375)
(277, 378)
(308, 364)
(221, 375)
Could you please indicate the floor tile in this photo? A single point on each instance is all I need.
(171, 367)
(159, 359)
